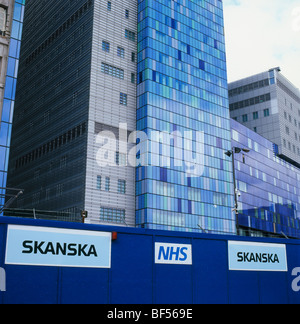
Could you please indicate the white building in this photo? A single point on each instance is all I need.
(269, 104)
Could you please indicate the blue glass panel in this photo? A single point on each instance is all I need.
(3, 135)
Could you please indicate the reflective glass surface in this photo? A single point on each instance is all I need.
(269, 187)
(182, 91)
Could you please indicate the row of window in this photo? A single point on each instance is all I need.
(121, 185)
(109, 8)
(112, 70)
(64, 27)
(106, 47)
(292, 148)
(112, 215)
(289, 92)
(249, 87)
(287, 131)
(115, 72)
(250, 102)
(56, 143)
(255, 115)
(128, 34)
(289, 117)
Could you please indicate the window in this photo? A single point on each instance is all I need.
(75, 98)
(287, 130)
(107, 184)
(99, 182)
(63, 162)
(59, 190)
(266, 112)
(245, 118)
(108, 5)
(255, 115)
(113, 215)
(201, 65)
(132, 77)
(122, 186)
(127, 14)
(2, 21)
(130, 35)
(132, 57)
(112, 70)
(105, 46)
(235, 135)
(121, 159)
(123, 99)
(121, 52)
(47, 194)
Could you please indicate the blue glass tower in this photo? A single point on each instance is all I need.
(182, 89)
(10, 90)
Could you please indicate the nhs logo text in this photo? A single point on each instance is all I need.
(168, 253)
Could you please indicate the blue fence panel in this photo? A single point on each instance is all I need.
(31, 285)
(243, 287)
(273, 288)
(131, 272)
(152, 267)
(84, 286)
(210, 271)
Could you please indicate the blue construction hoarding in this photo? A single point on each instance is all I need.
(56, 262)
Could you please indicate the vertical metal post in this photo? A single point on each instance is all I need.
(235, 197)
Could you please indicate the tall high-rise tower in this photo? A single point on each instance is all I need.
(182, 91)
(114, 67)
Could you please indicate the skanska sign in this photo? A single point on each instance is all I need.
(247, 256)
(41, 246)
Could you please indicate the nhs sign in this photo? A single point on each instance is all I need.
(168, 253)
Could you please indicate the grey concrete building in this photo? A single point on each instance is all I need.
(269, 104)
(77, 77)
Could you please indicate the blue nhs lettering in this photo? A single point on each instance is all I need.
(167, 253)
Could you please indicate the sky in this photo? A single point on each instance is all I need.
(260, 35)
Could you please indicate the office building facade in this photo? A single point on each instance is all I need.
(11, 21)
(72, 73)
(87, 67)
(182, 87)
(269, 104)
(268, 187)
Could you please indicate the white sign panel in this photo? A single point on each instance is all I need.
(168, 253)
(249, 256)
(42, 246)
